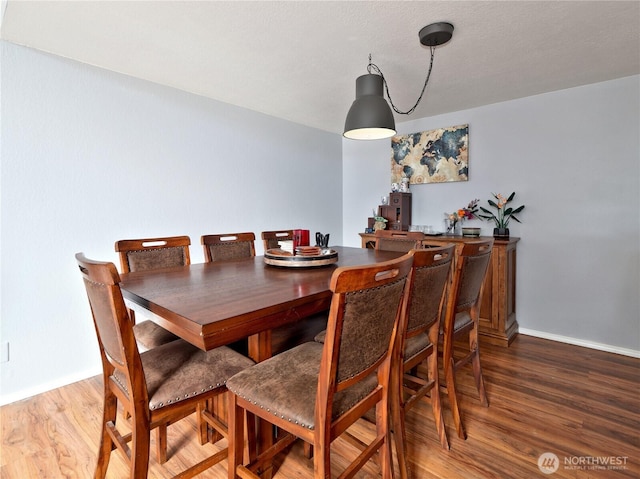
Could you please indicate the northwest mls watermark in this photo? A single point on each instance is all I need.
(548, 463)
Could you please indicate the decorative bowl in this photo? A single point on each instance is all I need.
(466, 231)
(279, 257)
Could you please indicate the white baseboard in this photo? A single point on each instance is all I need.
(41, 388)
(580, 342)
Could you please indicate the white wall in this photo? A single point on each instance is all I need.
(90, 157)
(573, 158)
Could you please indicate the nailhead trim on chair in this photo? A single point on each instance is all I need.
(169, 401)
(293, 421)
(153, 251)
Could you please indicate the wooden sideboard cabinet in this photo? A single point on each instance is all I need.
(498, 323)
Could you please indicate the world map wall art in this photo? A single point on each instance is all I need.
(434, 156)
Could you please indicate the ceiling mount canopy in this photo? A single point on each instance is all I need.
(370, 117)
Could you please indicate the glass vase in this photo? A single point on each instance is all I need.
(448, 225)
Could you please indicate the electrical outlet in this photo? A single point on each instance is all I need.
(4, 354)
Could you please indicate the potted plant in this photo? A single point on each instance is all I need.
(504, 214)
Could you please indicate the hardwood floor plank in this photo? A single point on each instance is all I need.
(580, 404)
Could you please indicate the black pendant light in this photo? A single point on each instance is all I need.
(370, 117)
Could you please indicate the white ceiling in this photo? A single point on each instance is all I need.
(298, 60)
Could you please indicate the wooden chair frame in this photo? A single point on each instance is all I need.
(143, 420)
(392, 240)
(123, 247)
(465, 297)
(431, 267)
(160, 335)
(270, 239)
(344, 280)
(210, 242)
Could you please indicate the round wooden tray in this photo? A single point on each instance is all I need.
(278, 257)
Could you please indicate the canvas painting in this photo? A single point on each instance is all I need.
(434, 156)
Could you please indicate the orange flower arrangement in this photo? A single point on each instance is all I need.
(467, 213)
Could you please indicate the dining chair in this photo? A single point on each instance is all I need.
(158, 386)
(148, 254)
(143, 255)
(316, 391)
(271, 239)
(461, 321)
(403, 241)
(221, 247)
(427, 287)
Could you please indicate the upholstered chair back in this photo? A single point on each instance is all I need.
(223, 247)
(153, 253)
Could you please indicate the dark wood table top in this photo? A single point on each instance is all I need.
(212, 304)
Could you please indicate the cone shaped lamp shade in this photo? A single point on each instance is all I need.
(370, 117)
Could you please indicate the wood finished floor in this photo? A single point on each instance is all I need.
(578, 403)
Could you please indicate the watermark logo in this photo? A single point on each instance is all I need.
(596, 463)
(548, 463)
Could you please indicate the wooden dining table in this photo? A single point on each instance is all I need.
(214, 304)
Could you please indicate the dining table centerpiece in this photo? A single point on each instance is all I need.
(453, 221)
(502, 216)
